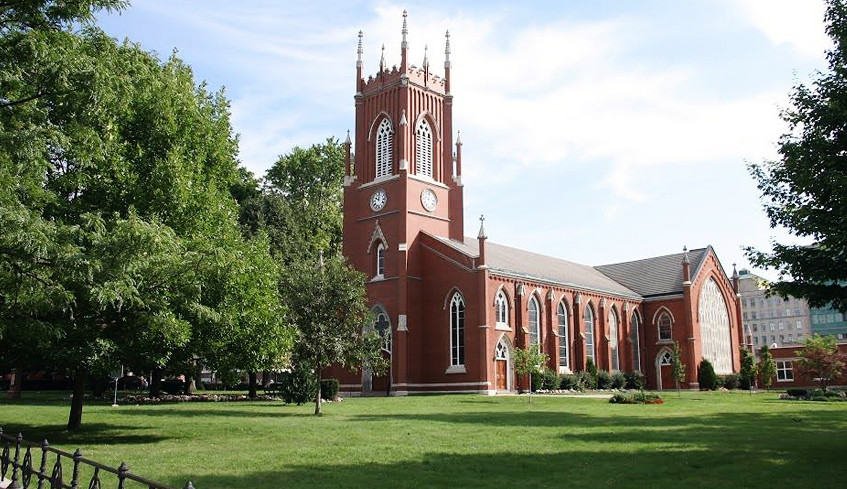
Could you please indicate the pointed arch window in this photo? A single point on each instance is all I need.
(423, 149)
(457, 330)
(635, 323)
(383, 328)
(665, 325)
(534, 323)
(588, 319)
(613, 340)
(716, 340)
(380, 260)
(562, 315)
(501, 308)
(384, 149)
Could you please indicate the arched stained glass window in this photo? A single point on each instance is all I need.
(457, 330)
(714, 328)
(534, 323)
(635, 323)
(501, 308)
(384, 149)
(423, 149)
(665, 325)
(588, 318)
(613, 340)
(380, 260)
(562, 315)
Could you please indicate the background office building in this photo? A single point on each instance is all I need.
(829, 322)
(772, 320)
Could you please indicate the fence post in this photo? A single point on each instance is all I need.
(42, 472)
(75, 476)
(14, 484)
(122, 470)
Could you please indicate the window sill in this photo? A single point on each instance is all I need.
(565, 370)
(456, 369)
(665, 342)
(502, 327)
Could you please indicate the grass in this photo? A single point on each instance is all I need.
(697, 440)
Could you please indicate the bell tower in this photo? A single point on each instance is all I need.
(403, 179)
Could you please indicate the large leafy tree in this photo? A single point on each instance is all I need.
(118, 187)
(805, 190)
(819, 359)
(328, 305)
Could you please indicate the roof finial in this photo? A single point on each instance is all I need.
(348, 137)
(405, 29)
(382, 59)
(685, 254)
(458, 138)
(447, 47)
(481, 234)
(734, 271)
(426, 59)
(359, 50)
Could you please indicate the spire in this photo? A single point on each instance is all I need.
(734, 271)
(347, 141)
(458, 138)
(481, 237)
(359, 51)
(404, 46)
(426, 59)
(447, 49)
(481, 234)
(685, 255)
(686, 268)
(382, 60)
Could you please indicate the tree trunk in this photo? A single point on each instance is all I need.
(253, 384)
(75, 418)
(190, 387)
(156, 382)
(266, 379)
(318, 395)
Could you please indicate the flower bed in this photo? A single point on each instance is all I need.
(814, 395)
(638, 398)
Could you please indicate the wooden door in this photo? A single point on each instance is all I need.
(667, 377)
(502, 372)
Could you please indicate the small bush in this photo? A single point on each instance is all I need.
(586, 380)
(797, 392)
(537, 380)
(329, 388)
(744, 383)
(569, 382)
(297, 386)
(549, 379)
(634, 380)
(731, 381)
(638, 398)
(618, 380)
(706, 376)
(604, 380)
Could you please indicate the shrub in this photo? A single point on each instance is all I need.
(570, 382)
(537, 379)
(549, 379)
(797, 392)
(297, 386)
(706, 376)
(731, 381)
(586, 380)
(618, 380)
(634, 380)
(329, 388)
(638, 398)
(604, 380)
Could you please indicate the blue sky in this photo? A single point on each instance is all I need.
(598, 131)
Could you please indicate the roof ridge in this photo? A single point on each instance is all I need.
(652, 257)
(489, 243)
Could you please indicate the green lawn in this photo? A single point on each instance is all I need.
(708, 440)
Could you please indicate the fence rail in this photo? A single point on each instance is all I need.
(23, 474)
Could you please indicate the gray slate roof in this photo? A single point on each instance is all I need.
(513, 261)
(650, 277)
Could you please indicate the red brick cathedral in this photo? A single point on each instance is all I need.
(454, 308)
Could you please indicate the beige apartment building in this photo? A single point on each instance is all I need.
(771, 321)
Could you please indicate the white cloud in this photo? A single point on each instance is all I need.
(800, 24)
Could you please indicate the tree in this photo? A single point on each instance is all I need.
(748, 369)
(327, 303)
(706, 376)
(677, 365)
(819, 359)
(767, 366)
(528, 361)
(807, 186)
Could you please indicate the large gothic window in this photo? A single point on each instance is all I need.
(384, 148)
(562, 314)
(380, 260)
(423, 149)
(715, 336)
(613, 340)
(383, 328)
(634, 324)
(665, 325)
(588, 319)
(534, 323)
(501, 308)
(457, 330)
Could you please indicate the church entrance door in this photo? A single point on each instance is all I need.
(502, 379)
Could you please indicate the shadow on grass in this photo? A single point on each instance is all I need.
(88, 434)
(167, 412)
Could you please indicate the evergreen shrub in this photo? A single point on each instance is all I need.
(706, 376)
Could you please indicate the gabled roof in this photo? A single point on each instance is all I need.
(533, 266)
(657, 276)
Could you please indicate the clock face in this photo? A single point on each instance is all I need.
(429, 200)
(378, 199)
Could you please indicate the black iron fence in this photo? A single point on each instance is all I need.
(18, 459)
